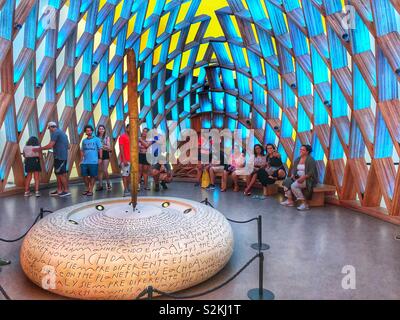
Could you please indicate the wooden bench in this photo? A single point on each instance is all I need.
(271, 190)
(319, 193)
(318, 200)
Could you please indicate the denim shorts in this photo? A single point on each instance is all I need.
(89, 170)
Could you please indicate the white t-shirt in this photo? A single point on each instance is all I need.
(301, 170)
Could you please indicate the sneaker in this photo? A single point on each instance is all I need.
(164, 185)
(259, 197)
(54, 194)
(109, 187)
(64, 194)
(37, 194)
(127, 193)
(157, 187)
(211, 187)
(287, 203)
(27, 194)
(303, 207)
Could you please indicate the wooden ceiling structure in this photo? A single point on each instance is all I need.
(319, 72)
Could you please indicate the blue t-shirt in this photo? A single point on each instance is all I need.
(90, 149)
(60, 148)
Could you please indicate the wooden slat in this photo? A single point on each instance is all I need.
(5, 100)
(367, 65)
(390, 45)
(391, 114)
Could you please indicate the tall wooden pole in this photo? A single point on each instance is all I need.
(133, 123)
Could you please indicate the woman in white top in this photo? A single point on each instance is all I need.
(32, 166)
(260, 161)
(300, 185)
(239, 169)
(103, 167)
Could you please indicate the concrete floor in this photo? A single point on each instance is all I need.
(307, 255)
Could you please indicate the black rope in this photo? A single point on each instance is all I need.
(169, 295)
(207, 203)
(247, 221)
(4, 293)
(142, 294)
(40, 216)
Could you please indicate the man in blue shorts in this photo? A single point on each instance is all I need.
(60, 145)
(91, 155)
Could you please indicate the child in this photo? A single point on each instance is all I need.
(32, 165)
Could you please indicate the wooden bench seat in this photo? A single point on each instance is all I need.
(319, 193)
(271, 190)
(318, 200)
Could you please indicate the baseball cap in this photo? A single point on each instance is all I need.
(51, 124)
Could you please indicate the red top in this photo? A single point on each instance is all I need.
(124, 141)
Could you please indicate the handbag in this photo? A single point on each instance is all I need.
(205, 179)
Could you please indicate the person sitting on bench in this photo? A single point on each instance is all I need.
(218, 165)
(272, 172)
(302, 181)
(236, 168)
(162, 174)
(260, 161)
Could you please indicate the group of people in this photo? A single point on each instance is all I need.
(267, 168)
(32, 153)
(96, 151)
(161, 173)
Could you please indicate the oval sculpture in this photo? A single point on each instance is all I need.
(104, 250)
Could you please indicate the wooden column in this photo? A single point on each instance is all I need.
(133, 110)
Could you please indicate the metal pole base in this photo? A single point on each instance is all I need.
(263, 247)
(254, 294)
(4, 262)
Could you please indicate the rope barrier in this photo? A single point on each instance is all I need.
(256, 246)
(242, 222)
(208, 203)
(4, 293)
(39, 217)
(150, 290)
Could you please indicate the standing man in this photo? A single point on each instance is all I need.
(125, 157)
(91, 157)
(60, 145)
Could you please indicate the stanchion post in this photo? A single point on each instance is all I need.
(261, 274)
(150, 292)
(260, 293)
(207, 203)
(260, 246)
